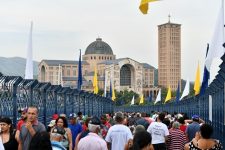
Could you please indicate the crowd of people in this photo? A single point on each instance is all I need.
(120, 131)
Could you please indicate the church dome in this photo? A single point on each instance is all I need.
(99, 47)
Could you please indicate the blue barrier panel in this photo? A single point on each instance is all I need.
(24, 93)
(61, 100)
(69, 102)
(51, 101)
(8, 97)
(76, 104)
(39, 100)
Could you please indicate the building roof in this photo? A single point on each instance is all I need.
(145, 65)
(99, 47)
(62, 62)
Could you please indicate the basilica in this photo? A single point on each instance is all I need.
(123, 73)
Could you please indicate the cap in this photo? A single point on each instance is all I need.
(22, 110)
(52, 123)
(58, 130)
(72, 116)
(55, 116)
(63, 115)
(95, 120)
(195, 117)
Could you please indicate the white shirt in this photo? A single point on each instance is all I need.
(118, 135)
(158, 130)
(92, 142)
(1, 144)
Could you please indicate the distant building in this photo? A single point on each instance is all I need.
(125, 73)
(169, 55)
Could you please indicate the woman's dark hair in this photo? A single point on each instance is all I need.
(141, 140)
(161, 116)
(40, 141)
(9, 122)
(181, 120)
(65, 123)
(206, 131)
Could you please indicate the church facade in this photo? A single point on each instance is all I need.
(123, 73)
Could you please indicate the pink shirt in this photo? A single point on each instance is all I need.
(92, 141)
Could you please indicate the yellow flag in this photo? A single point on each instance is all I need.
(168, 96)
(95, 82)
(141, 99)
(197, 81)
(113, 94)
(144, 5)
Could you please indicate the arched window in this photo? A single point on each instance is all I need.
(125, 76)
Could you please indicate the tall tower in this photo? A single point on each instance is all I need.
(169, 55)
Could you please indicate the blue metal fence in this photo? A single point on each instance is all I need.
(17, 93)
(197, 105)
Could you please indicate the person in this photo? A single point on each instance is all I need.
(8, 134)
(118, 135)
(203, 140)
(193, 128)
(183, 126)
(22, 120)
(57, 134)
(67, 140)
(80, 118)
(51, 125)
(142, 141)
(177, 138)
(105, 126)
(159, 133)
(92, 141)
(30, 128)
(75, 127)
(40, 141)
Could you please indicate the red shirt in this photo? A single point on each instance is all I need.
(19, 124)
(183, 128)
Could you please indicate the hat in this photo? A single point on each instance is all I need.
(95, 121)
(72, 116)
(63, 115)
(22, 110)
(55, 116)
(58, 130)
(196, 117)
(52, 123)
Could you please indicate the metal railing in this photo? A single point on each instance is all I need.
(17, 93)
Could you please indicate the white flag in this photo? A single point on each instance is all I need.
(186, 90)
(158, 98)
(105, 85)
(29, 62)
(216, 49)
(132, 101)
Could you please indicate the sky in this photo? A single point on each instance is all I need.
(62, 27)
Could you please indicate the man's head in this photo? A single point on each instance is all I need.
(119, 117)
(72, 118)
(195, 118)
(32, 114)
(80, 115)
(103, 119)
(57, 134)
(23, 113)
(94, 125)
(161, 117)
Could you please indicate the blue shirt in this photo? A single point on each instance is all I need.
(192, 129)
(75, 130)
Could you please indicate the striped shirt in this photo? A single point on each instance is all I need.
(176, 140)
